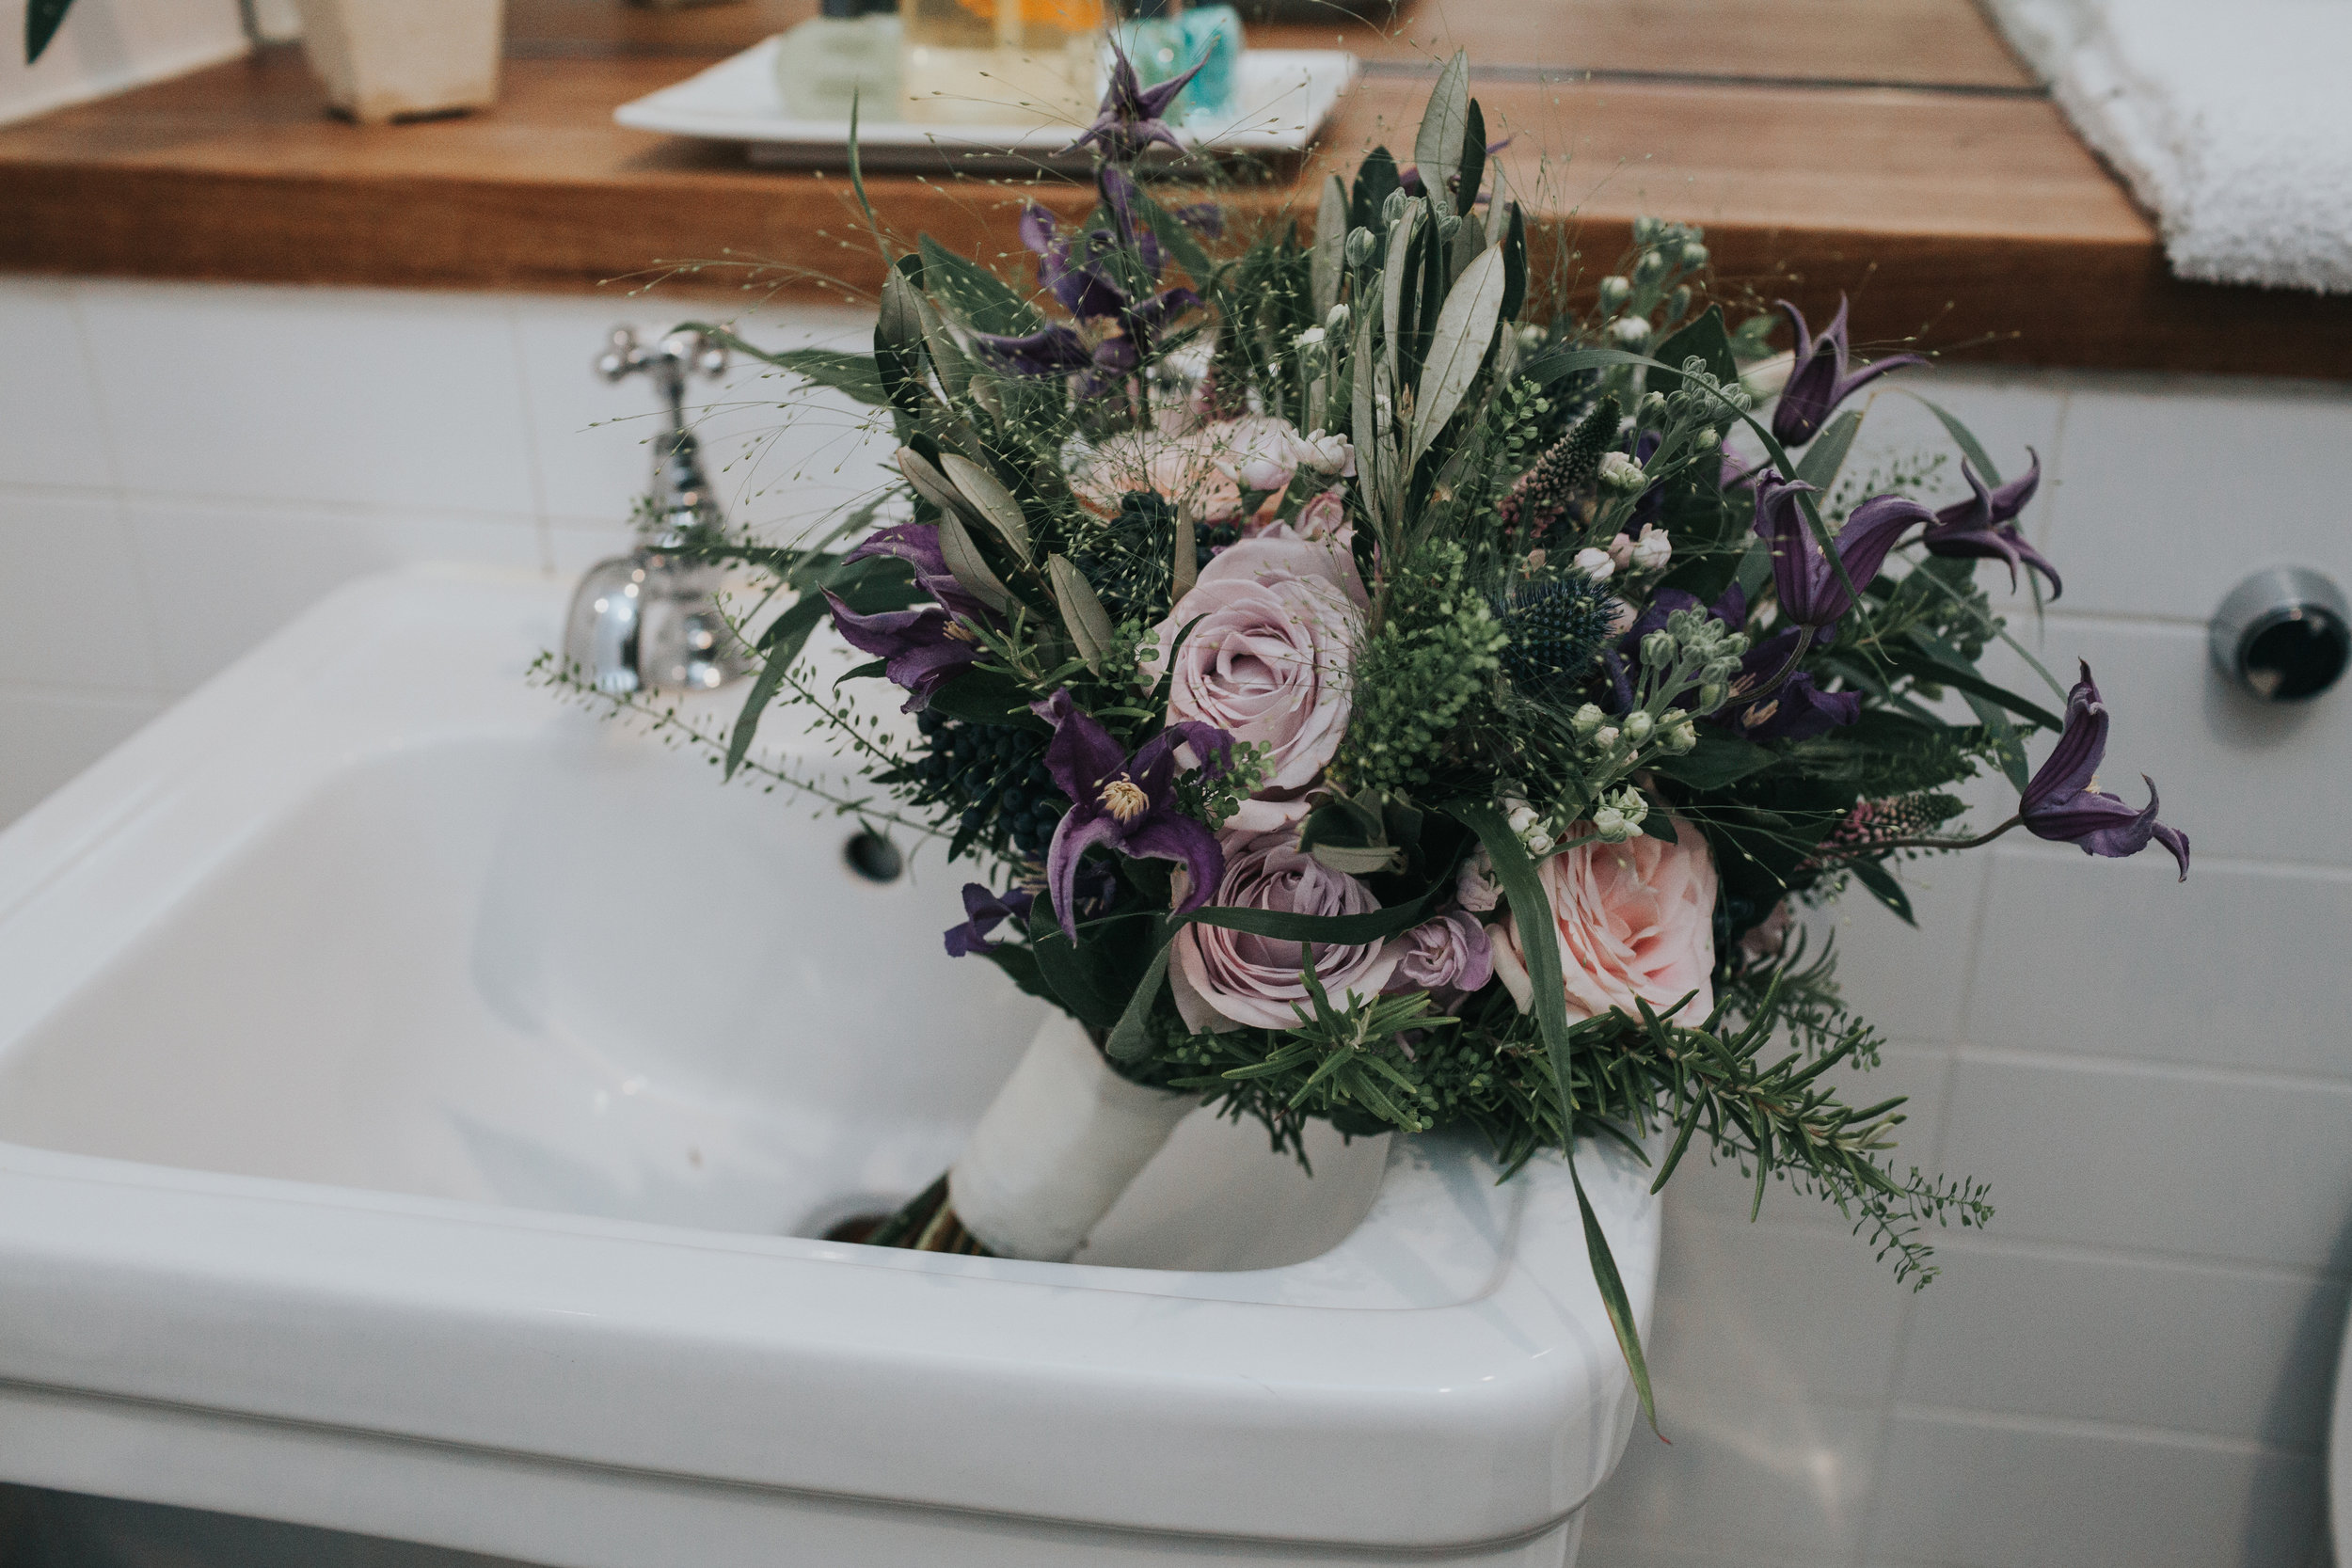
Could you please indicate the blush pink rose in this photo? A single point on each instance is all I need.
(1633, 919)
(1225, 978)
(1270, 662)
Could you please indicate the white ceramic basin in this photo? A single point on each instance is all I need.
(419, 1099)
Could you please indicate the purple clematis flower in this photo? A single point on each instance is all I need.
(1078, 272)
(1128, 120)
(1796, 710)
(1985, 525)
(1819, 382)
(983, 912)
(1128, 803)
(921, 649)
(2063, 801)
(1807, 583)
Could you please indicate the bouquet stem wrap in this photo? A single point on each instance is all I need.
(1057, 1147)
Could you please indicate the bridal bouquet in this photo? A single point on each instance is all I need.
(1372, 694)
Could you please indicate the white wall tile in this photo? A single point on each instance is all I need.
(76, 614)
(348, 397)
(1774, 1312)
(1988, 1494)
(49, 400)
(2176, 489)
(2164, 1160)
(1746, 1476)
(48, 737)
(2231, 1351)
(783, 453)
(2241, 966)
(2238, 776)
(224, 577)
(1908, 980)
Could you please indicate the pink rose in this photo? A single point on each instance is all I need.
(1449, 957)
(1634, 919)
(1182, 468)
(1270, 660)
(1324, 516)
(1223, 978)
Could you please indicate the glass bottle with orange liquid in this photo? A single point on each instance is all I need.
(990, 62)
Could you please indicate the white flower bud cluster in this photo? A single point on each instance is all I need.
(1614, 292)
(1631, 332)
(1536, 834)
(1595, 564)
(1619, 815)
(1621, 473)
(1651, 550)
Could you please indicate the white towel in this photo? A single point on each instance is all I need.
(2232, 118)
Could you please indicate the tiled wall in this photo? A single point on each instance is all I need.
(2132, 1368)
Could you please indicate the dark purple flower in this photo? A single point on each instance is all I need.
(1817, 380)
(1985, 525)
(1806, 581)
(983, 912)
(1129, 121)
(917, 544)
(1128, 803)
(2063, 801)
(920, 649)
(1796, 710)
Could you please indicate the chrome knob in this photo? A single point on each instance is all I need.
(2283, 633)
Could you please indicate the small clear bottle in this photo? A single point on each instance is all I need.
(848, 52)
(1001, 62)
(1163, 38)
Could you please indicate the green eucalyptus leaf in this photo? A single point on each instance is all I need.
(1329, 259)
(1963, 437)
(1082, 612)
(986, 495)
(1465, 329)
(1359, 859)
(1883, 887)
(969, 568)
(1438, 145)
(930, 483)
(1497, 210)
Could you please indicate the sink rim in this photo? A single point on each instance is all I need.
(430, 1319)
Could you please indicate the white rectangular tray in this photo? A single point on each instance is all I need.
(1284, 96)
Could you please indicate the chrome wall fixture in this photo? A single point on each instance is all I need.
(650, 620)
(2283, 633)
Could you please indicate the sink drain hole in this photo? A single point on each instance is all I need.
(874, 858)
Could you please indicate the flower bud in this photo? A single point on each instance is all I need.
(1596, 564)
(1620, 552)
(1584, 721)
(1652, 550)
(1605, 736)
(1531, 337)
(1651, 409)
(1678, 302)
(1311, 339)
(1521, 817)
(1646, 230)
(1694, 255)
(1631, 332)
(1657, 649)
(1638, 725)
(1611, 826)
(1620, 472)
(1650, 268)
(1711, 696)
(1614, 292)
(1361, 247)
(1539, 844)
(1336, 322)
(1394, 208)
(1680, 738)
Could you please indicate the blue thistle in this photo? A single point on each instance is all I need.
(1557, 629)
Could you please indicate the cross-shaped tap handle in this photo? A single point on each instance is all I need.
(668, 361)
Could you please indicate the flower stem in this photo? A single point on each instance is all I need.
(1872, 847)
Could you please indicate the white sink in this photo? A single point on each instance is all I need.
(421, 1101)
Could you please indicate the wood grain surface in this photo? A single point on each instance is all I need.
(1890, 150)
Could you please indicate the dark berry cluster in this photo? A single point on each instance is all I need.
(1556, 630)
(991, 784)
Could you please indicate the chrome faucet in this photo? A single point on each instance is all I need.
(650, 620)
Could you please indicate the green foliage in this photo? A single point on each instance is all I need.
(1419, 674)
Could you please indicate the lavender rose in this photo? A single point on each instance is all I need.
(1448, 958)
(1633, 919)
(1223, 978)
(1270, 662)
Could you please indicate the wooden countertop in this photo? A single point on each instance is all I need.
(1891, 148)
